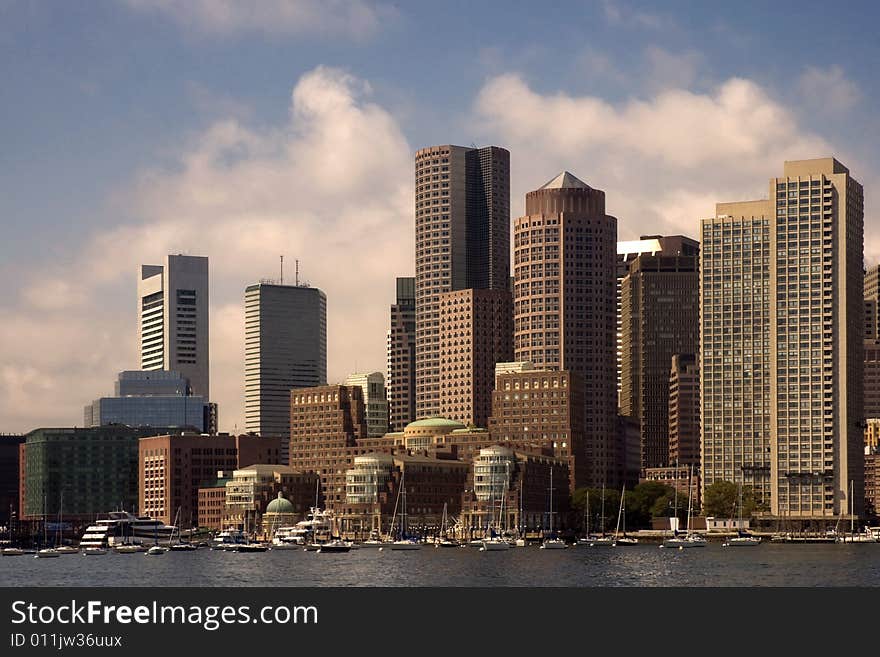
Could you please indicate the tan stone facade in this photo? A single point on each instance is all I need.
(684, 411)
(476, 332)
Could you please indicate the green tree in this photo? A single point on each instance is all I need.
(579, 506)
(722, 500)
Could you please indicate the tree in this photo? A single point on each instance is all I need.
(722, 500)
(579, 505)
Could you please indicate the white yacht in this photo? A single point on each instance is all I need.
(121, 528)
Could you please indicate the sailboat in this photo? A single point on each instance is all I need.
(46, 553)
(552, 542)
(444, 540)
(404, 542)
(521, 538)
(742, 538)
(587, 538)
(690, 539)
(622, 540)
(603, 540)
(179, 546)
(62, 549)
(862, 537)
(156, 549)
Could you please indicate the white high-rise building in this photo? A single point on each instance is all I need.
(173, 319)
(375, 400)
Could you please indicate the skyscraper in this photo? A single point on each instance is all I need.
(462, 242)
(564, 305)
(285, 340)
(401, 356)
(659, 317)
(173, 319)
(782, 369)
(476, 332)
(684, 411)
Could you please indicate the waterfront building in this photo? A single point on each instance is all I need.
(564, 307)
(476, 332)
(542, 411)
(684, 411)
(154, 398)
(518, 481)
(285, 347)
(872, 433)
(659, 318)
(680, 477)
(439, 435)
(782, 371)
(872, 303)
(401, 356)
(328, 428)
(95, 469)
(173, 319)
(375, 401)
(252, 488)
(10, 469)
(212, 502)
(872, 480)
(171, 469)
(872, 378)
(462, 216)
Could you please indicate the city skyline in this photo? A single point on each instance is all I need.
(316, 194)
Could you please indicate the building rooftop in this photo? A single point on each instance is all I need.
(436, 422)
(565, 180)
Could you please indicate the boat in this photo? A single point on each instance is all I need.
(603, 540)
(622, 540)
(47, 553)
(12, 552)
(67, 549)
(123, 528)
(691, 539)
(742, 538)
(335, 546)
(553, 542)
(228, 539)
(587, 539)
(156, 550)
(492, 542)
(179, 546)
(404, 542)
(865, 536)
(94, 551)
(129, 548)
(443, 540)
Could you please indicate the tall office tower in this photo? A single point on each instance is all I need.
(659, 317)
(462, 242)
(401, 356)
(476, 332)
(872, 379)
(684, 411)
(285, 347)
(173, 319)
(564, 304)
(649, 245)
(735, 346)
(813, 311)
(872, 303)
(375, 400)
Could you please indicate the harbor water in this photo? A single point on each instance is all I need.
(641, 565)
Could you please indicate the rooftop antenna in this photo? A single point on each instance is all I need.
(282, 270)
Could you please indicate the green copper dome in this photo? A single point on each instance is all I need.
(279, 505)
(436, 422)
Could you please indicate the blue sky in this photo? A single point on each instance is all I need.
(121, 117)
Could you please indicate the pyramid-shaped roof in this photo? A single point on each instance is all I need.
(565, 180)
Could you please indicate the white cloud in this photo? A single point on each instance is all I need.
(332, 187)
(357, 18)
(663, 162)
(619, 14)
(828, 90)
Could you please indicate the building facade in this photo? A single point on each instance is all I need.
(251, 489)
(684, 411)
(375, 401)
(542, 412)
(872, 378)
(155, 398)
(462, 213)
(10, 471)
(401, 356)
(172, 468)
(173, 319)
(786, 418)
(476, 332)
(564, 306)
(660, 317)
(285, 348)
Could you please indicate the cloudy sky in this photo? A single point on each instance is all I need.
(135, 128)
